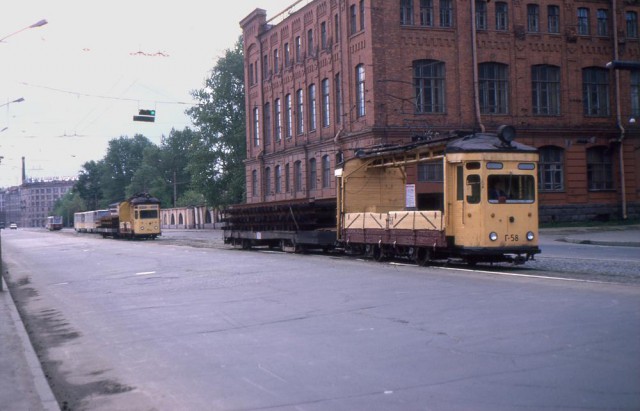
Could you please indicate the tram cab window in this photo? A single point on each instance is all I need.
(473, 189)
(149, 214)
(510, 189)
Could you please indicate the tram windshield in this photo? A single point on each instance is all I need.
(511, 188)
(148, 214)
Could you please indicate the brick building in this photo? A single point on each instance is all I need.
(325, 78)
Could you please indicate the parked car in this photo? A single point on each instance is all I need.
(13, 226)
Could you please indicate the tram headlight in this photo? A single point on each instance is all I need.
(530, 235)
(493, 236)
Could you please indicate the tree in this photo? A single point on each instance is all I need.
(124, 156)
(88, 186)
(216, 156)
(174, 161)
(69, 204)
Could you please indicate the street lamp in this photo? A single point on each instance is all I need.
(34, 25)
(18, 100)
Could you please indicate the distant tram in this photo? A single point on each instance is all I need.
(54, 222)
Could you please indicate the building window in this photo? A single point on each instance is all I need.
(278, 179)
(267, 181)
(361, 7)
(310, 48)
(265, 66)
(252, 80)
(338, 98)
(326, 171)
(632, 24)
(583, 21)
(256, 127)
(276, 60)
(313, 174)
(298, 51)
(553, 19)
(287, 55)
(429, 76)
(603, 23)
(635, 93)
(599, 169)
(481, 14)
(502, 16)
(326, 109)
(287, 178)
(299, 112)
(406, 12)
(323, 35)
(533, 18)
(277, 115)
(254, 183)
(545, 90)
(493, 88)
(336, 28)
(551, 169)
(360, 88)
(288, 119)
(312, 107)
(297, 175)
(446, 13)
(595, 91)
(267, 124)
(353, 17)
(426, 13)
(430, 172)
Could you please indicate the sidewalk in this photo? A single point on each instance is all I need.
(622, 236)
(23, 386)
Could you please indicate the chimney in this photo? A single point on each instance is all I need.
(24, 171)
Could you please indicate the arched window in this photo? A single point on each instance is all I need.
(551, 169)
(545, 90)
(360, 89)
(599, 169)
(278, 179)
(180, 219)
(428, 78)
(493, 88)
(267, 181)
(313, 174)
(326, 172)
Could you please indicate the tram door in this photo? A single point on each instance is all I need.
(464, 221)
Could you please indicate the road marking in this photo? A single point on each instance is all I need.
(544, 277)
(146, 273)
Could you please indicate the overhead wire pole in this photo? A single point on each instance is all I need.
(34, 25)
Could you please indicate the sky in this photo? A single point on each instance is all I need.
(87, 72)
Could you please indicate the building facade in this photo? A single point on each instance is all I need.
(29, 204)
(326, 78)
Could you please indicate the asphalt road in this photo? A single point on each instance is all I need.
(171, 325)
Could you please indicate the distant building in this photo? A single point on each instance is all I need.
(29, 204)
(328, 77)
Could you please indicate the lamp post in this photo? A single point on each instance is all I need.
(18, 100)
(33, 26)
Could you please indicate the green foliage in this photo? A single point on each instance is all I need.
(200, 166)
(216, 160)
(69, 204)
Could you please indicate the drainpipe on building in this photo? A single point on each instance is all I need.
(623, 190)
(474, 57)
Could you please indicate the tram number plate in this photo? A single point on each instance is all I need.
(511, 237)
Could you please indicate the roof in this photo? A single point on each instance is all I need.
(483, 142)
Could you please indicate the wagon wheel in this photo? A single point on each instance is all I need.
(423, 256)
(246, 244)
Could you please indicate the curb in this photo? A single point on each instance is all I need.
(43, 390)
